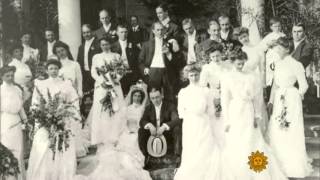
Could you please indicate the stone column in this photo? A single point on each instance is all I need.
(70, 24)
(251, 17)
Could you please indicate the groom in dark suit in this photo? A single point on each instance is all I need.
(129, 55)
(160, 117)
(160, 59)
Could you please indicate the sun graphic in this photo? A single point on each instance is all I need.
(258, 161)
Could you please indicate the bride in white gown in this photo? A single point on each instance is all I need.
(105, 125)
(124, 161)
(240, 107)
(200, 158)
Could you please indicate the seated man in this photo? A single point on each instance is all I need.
(160, 118)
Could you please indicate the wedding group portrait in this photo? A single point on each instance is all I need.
(159, 90)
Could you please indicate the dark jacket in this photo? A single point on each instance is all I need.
(100, 33)
(146, 55)
(94, 49)
(132, 52)
(303, 53)
(139, 36)
(168, 115)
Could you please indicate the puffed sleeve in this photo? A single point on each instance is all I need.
(204, 76)
(181, 104)
(78, 78)
(36, 96)
(72, 95)
(210, 106)
(257, 97)
(225, 99)
(301, 77)
(94, 73)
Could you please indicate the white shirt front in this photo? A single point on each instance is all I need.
(123, 45)
(165, 22)
(224, 35)
(296, 44)
(191, 44)
(50, 48)
(29, 53)
(87, 46)
(135, 29)
(107, 27)
(157, 61)
(158, 111)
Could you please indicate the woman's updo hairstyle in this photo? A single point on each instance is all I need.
(285, 43)
(54, 62)
(237, 55)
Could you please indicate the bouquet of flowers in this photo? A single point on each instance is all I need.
(52, 114)
(9, 165)
(110, 73)
(282, 118)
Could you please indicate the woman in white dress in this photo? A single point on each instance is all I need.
(286, 128)
(104, 125)
(255, 64)
(210, 77)
(12, 113)
(200, 155)
(43, 164)
(70, 70)
(125, 160)
(23, 73)
(29, 53)
(241, 113)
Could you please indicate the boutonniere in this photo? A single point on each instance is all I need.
(130, 45)
(92, 48)
(113, 32)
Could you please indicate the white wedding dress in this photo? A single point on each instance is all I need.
(105, 128)
(123, 161)
(200, 158)
(11, 132)
(41, 164)
(240, 102)
(289, 144)
(211, 75)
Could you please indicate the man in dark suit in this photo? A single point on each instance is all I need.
(189, 39)
(171, 30)
(160, 59)
(213, 41)
(160, 118)
(303, 51)
(226, 30)
(129, 55)
(86, 51)
(226, 33)
(46, 50)
(107, 29)
(137, 34)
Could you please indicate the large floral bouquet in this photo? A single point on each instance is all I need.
(53, 115)
(9, 165)
(110, 73)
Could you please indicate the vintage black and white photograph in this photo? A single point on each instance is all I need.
(159, 89)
